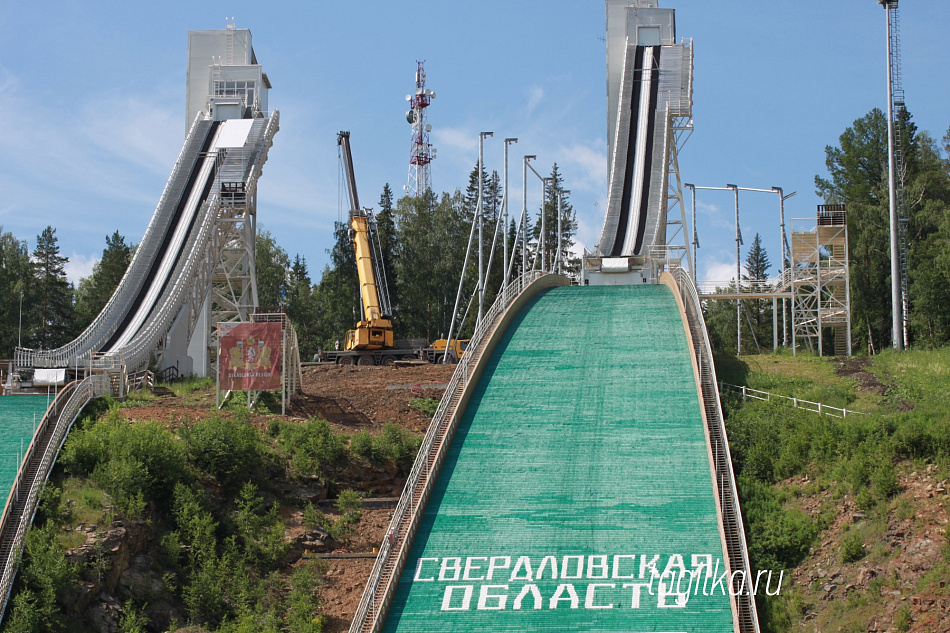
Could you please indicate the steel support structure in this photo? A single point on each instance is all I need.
(821, 296)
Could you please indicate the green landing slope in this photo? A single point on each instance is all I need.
(576, 494)
(16, 433)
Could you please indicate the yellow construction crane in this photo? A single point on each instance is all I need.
(375, 330)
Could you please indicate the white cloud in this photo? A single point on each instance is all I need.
(535, 97)
(720, 272)
(715, 214)
(458, 139)
(589, 163)
(134, 130)
(80, 266)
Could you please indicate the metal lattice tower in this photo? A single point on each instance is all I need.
(421, 152)
(821, 288)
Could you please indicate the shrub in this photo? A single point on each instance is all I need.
(130, 461)
(778, 538)
(261, 533)
(884, 481)
(903, 620)
(852, 548)
(303, 603)
(362, 444)
(313, 448)
(226, 449)
(427, 406)
(397, 444)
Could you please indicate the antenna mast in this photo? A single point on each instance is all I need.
(896, 175)
(421, 152)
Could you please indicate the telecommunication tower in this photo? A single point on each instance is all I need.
(421, 152)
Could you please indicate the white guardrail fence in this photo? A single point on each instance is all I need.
(798, 403)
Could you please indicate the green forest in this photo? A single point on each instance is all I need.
(857, 176)
(423, 242)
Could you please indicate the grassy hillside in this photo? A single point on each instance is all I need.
(854, 509)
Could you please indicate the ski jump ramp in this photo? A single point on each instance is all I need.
(573, 479)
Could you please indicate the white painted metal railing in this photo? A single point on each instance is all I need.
(780, 283)
(737, 550)
(798, 403)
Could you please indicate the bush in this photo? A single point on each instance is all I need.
(362, 444)
(884, 481)
(778, 538)
(130, 461)
(312, 447)
(852, 548)
(261, 533)
(226, 449)
(44, 576)
(428, 406)
(397, 444)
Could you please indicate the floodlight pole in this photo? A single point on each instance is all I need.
(504, 214)
(735, 190)
(692, 189)
(524, 212)
(479, 211)
(786, 255)
(897, 317)
(560, 267)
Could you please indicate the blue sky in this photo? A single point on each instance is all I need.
(92, 103)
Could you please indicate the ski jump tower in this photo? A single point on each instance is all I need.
(649, 110)
(225, 81)
(195, 264)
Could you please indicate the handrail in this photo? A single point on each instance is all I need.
(734, 531)
(776, 284)
(393, 551)
(40, 457)
(142, 260)
(138, 351)
(798, 403)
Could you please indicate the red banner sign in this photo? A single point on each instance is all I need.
(250, 356)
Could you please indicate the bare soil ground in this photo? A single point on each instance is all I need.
(857, 368)
(359, 398)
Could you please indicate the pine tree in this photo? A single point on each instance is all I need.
(758, 311)
(54, 294)
(386, 230)
(95, 290)
(568, 221)
(16, 286)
